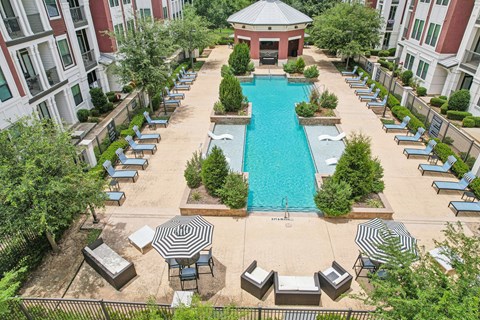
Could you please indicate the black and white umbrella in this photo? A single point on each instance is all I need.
(373, 234)
(182, 236)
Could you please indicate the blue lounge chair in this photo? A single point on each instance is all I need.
(172, 102)
(401, 126)
(120, 174)
(416, 138)
(359, 84)
(370, 97)
(183, 75)
(377, 104)
(461, 185)
(365, 91)
(153, 123)
(355, 79)
(140, 148)
(174, 95)
(177, 86)
(183, 81)
(189, 73)
(421, 152)
(130, 161)
(464, 206)
(143, 137)
(350, 73)
(438, 169)
(116, 196)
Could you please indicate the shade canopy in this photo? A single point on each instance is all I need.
(269, 12)
(373, 234)
(182, 237)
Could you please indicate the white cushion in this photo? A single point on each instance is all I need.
(341, 278)
(331, 270)
(258, 275)
(110, 259)
(308, 289)
(289, 283)
(288, 288)
(305, 282)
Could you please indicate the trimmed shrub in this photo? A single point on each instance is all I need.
(214, 171)
(218, 108)
(328, 100)
(400, 112)
(311, 72)
(234, 193)
(475, 187)
(374, 52)
(383, 53)
(437, 102)
(443, 97)
(392, 51)
(251, 66)
(367, 54)
(305, 109)
(334, 198)
(82, 115)
(137, 120)
(108, 154)
(193, 171)
(314, 97)
(226, 70)
(127, 88)
(457, 115)
(94, 112)
(444, 108)
(98, 98)
(407, 77)
(468, 122)
(384, 63)
(421, 91)
(442, 150)
(300, 65)
(239, 58)
(460, 100)
(231, 94)
(290, 67)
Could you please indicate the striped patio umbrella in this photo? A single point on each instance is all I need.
(374, 233)
(182, 236)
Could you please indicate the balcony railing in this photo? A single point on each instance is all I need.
(34, 85)
(89, 59)
(52, 76)
(390, 24)
(471, 60)
(35, 23)
(13, 27)
(78, 15)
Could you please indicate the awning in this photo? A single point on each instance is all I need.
(449, 62)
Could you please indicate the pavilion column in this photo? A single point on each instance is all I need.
(255, 49)
(300, 45)
(283, 50)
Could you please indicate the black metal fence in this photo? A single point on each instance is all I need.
(73, 309)
(437, 125)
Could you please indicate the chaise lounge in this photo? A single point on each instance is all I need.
(365, 91)
(359, 84)
(130, 161)
(426, 152)
(140, 148)
(335, 280)
(454, 186)
(464, 206)
(153, 123)
(401, 126)
(438, 169)
(370, 97)
(256, 280)
(117, 197)
(290, 290)
(350, 73)
(120, 174)
(416, 138)
(143, 137)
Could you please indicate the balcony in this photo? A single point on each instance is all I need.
(34, 85)
(390, 24)
(470, 61)
(13, 27)
(35, 23)
(52, 76)
(78, 16)
(89, 59)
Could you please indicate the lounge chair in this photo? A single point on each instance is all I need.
(421, 152)
(438, 169)
(224, 136)
(140, 148)
(464, 206)
(177, 86)
(350, 73)
(338, 137)
(183, 75)
(416, 138)
(454, 186)
(365, 91)
(355, 79)
(256, 280)
(401, 126)
(116, 196)
(370, 97)
(142, 137)
(172, 102)
(120, 174)
(130, 161)
(153, 123)
(189, 73)
(377, 104)
(359, 84)
(174, 95)
(183, 81)
(335, 280)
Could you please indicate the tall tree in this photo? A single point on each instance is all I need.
(191, 32)
(44, 186)
(143, 52)
(348, 29)
(312, 8)
(217, 11)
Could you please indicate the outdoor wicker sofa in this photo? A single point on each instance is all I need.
(297, 290)
(335, 280)
(111, 266)
(256, 281)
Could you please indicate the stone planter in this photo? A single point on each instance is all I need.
(232, 119)
(325, 121)
(301, 79)
(248, 78)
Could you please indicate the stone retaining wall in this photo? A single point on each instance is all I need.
(232, 119)
(325, 121)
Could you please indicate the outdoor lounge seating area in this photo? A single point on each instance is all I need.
(256, 280)
(297, 290)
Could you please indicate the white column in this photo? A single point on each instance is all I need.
(19, 71)
(70, 106)
(54, 110)
(58, 62)
(38, 65)
(474, 91)
(89, 153)
(376, 67)
(451, 82)
(406, 91)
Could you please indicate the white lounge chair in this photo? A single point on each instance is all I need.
(338, 137)
(224, 136)
(331, 161)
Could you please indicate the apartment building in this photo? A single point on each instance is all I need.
(392, 12)
(433, 32)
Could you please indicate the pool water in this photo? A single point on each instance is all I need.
(277, 156)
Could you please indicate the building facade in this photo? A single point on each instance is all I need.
(392, 12)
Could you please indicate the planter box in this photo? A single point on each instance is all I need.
(301, 79)
(232, 119)
(325, 121)
(248, 78)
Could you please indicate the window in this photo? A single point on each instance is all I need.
(119, 31)
(386, 39)
(466, 82)
(417, 29)
(145, 13)
(77, 95)
(130, 25)
(52, 8)
(127, 1)
(5, 92)
(432, 34)
(422, 69)
(113, 3)
(409, 60)
(391, 14)
(165, 12)
(64, 51)
(442, 2)
(43, 112)
(426, 1)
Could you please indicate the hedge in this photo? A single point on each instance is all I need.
(137, 120)
(457, 115)
(421, 91)
(414, 123)
(475, 187)
(437, 102)
(471, 119)
(444, 108)
(108, 154)
(443, 151)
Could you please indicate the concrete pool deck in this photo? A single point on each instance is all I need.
(232, 149)
(304, 245)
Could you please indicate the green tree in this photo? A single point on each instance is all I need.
(214, 171)
(333, 198)
(9, 285)
(312, 8)
(234, 192)
(416, 288)
(231, 94)
(347, 28)
(240, 58)
(143, 53)
(44, 186)
(217, 11)
(191, 32)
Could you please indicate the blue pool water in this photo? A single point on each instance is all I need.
(277, 156)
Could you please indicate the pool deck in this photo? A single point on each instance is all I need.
(323, 150)
(232, 149)
(302, 246)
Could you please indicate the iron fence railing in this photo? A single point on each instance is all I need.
(89, 59)
(13, 27)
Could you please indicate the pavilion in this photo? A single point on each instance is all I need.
(272, 29)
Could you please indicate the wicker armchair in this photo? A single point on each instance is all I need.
(249, 283)
(335, 280)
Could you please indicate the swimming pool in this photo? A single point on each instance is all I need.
(277, 156)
